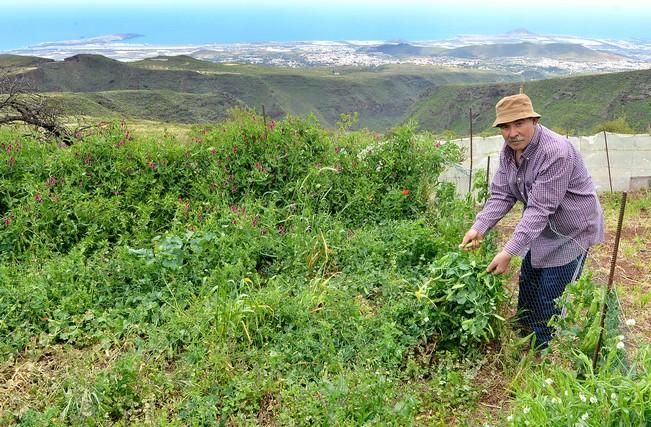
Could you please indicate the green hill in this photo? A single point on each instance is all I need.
(186, 90)
(12, 64)
(182, 89)
(576, 103)
(8, 60)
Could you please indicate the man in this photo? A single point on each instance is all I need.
(561, 219)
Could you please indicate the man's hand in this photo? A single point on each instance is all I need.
(471, 240)
(500, 263)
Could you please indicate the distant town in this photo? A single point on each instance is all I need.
(516, 52)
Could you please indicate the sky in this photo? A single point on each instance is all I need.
(493, 4)
(611, 3)
(26, 23)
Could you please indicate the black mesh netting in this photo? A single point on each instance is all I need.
(541, 286)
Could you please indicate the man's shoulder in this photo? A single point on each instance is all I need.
(553, 144)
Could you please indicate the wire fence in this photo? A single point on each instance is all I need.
(540, 288)
(616, 162)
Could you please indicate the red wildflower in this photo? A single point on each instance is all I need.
(38, 197)
(405, 192)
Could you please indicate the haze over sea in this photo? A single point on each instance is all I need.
(28, 23)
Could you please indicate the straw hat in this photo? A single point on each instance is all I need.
(512, 108)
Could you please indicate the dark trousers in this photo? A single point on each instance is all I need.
(539, 289)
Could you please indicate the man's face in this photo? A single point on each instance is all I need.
(518, 134)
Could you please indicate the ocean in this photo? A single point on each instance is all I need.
(24, 27)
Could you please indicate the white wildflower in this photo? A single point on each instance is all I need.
(556, 401)
(620, 337)
(426, 319)
(613, 396)
(526, 410)
(566, 393)
(585, 416)
(593, 400)
(549, 381)
(620, 345)
(630, 322)
(509, 418)
(582, 397)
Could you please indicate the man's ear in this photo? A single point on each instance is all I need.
(535, 120)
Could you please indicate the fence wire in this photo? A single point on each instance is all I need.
(540, 288)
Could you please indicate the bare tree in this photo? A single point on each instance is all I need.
(21, 103)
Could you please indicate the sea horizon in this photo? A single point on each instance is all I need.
(231, 25)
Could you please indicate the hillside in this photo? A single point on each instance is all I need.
(12, 64)
(564, 51)
(403, 49)
(576, 104)
(183, 89)
(186, 90)
(8, 60)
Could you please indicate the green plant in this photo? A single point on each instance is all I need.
(618, 125)
(248, 273)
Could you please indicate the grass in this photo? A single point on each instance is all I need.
(214, 279)
(146, 287)
(516, 378)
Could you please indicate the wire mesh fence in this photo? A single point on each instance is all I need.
(540, 288)
(616, 162)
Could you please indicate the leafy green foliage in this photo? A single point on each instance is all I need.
(264, 269)
(618, 125)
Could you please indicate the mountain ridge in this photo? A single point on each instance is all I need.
(187, 90)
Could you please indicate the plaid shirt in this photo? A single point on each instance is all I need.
(562, 216)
